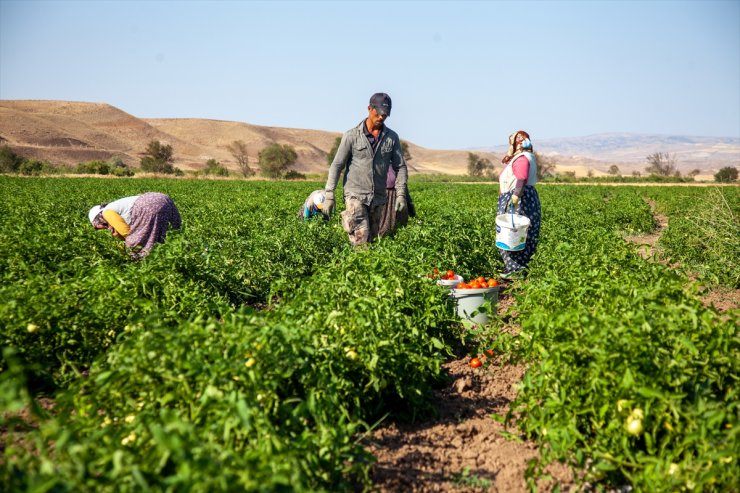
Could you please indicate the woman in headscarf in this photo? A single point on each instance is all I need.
(390, 219)
(313, 206)
(517, 189)
(140, 220)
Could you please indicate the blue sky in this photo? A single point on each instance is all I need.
(461, 74)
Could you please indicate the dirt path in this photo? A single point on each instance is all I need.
(461, 449)
(721, 298)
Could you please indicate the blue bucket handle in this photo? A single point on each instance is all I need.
(511, 208)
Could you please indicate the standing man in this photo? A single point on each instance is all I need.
(365, 153)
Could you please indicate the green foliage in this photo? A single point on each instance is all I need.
(726, 174)
(214, 168)
(294, 175)
(478, 166)
(157, 158)
(31, 167)
(10, 162)
(94, 167)
(606, 334)
(703, 232)
(333, 151)
(570, 177)
(275, 159)
(251, 350)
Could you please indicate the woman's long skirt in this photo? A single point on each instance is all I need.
(390, 219)
(152, 214)
(529, 206)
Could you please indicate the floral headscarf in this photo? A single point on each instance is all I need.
(96, 215)
(513, 150)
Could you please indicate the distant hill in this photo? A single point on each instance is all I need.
(708, 154)
(64, 132)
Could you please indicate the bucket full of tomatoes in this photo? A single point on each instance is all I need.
(470, 297)
(450, 279)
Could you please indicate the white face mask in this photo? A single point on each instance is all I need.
(526, 144)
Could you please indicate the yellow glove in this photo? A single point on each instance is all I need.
(117, 222)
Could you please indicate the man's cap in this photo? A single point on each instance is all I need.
(382, 103)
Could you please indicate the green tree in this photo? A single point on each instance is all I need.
(238, 150)
(94, 167)
(613, 170)
(157, 158)
(726, 175)
(119, 168)
(31, 167)
(333, 151)
(214, 168)
(10, 162)
(477, 166)
(662, 164)
(275, 159)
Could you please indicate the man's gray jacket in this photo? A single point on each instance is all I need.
(365, 172)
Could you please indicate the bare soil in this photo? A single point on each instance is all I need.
(19, 424)
(462, 448)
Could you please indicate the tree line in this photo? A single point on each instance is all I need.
(275, 161)
(661, 166)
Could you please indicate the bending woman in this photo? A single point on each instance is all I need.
(140, 221)
(517, 188)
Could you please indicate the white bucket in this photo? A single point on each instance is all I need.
(451, 283)
(511, 231)
(469, 301)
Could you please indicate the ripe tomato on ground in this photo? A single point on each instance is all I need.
(475, 363)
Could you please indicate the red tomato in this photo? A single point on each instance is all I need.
(489, 352)
(475, 363)
(492, 283)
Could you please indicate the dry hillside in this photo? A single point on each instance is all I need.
(64, 132)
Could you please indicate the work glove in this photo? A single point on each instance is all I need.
(513, 202)
(328, 207)
(400, 203)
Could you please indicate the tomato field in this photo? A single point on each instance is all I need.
(253, 351)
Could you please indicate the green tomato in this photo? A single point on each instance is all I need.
(634, 425)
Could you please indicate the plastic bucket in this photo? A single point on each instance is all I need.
(511, 231)
(469, 301)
